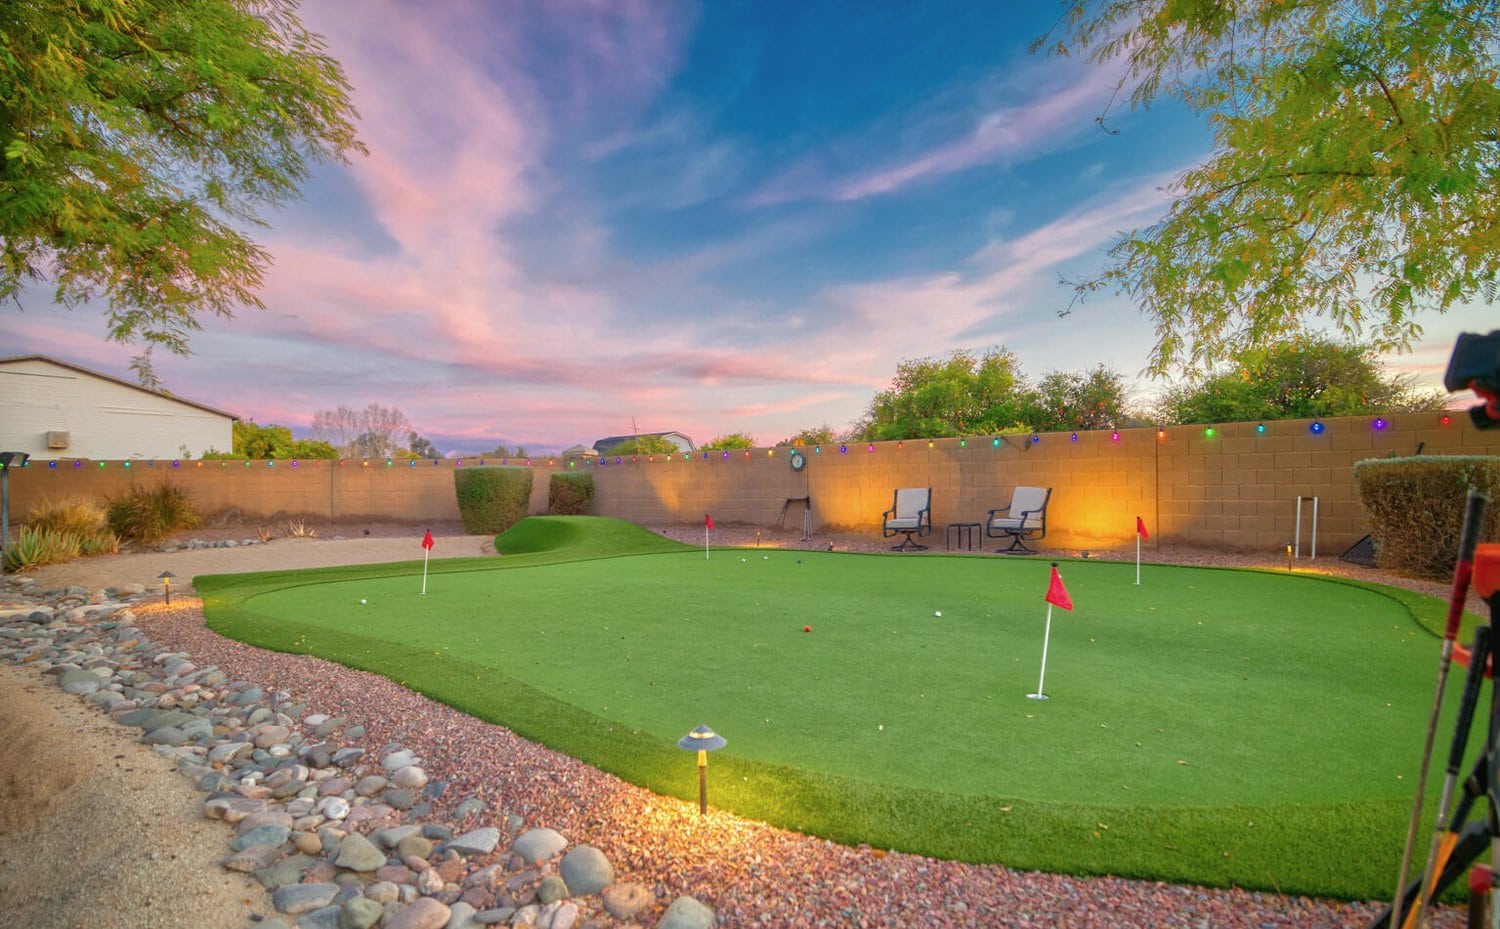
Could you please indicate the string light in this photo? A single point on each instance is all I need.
(1315, 428)
(1379, 424)
(1161, 435)
(1260, 428)
(1114, 437)
(1208, 433)
(1446, 420)
(963, 443)
(843, 449)
(1036, 438)
(1075, 437)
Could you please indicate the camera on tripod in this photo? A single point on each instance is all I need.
(1475, 366)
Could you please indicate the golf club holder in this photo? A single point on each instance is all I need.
(1466, 840)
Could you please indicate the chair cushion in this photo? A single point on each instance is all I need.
(903, 522)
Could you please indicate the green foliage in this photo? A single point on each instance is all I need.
(58, 531)
(1067, 401)
(644, 445)
(39, 545)
(964, 395)
(491, 500)
(818, 435)
(734, 440)
(570, 493)
(148, 515)
(1304, 378)
(503, 452)
(419, 447)
(1353, 180)
(957, 395)
(271, 442)
(1416, 508)
(137, 137)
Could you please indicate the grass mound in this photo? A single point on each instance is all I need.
(580, 537)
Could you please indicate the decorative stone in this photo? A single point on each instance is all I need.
(358, 853)
(586, 871)
(687, 913)
(535, 846)
(626, 901)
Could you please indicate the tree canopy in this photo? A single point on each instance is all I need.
(374, 432)
(137, 134)
(734, 440)
(643, 445)
(1354, 179)
(271, 442)
(1303, 379)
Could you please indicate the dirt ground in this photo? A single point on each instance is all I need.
(96, 832)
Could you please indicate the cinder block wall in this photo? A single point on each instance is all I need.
(1230, 486)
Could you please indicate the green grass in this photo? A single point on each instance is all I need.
(1220, 727)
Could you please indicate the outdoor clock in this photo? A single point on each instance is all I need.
(798, 460)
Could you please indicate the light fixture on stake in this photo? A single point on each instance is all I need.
(8, 460)
(702, 740)
(166, 585)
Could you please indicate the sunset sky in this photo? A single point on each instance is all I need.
(710, 218)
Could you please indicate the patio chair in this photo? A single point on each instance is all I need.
(1025, 519)
(910, 514)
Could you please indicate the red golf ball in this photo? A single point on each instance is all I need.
(807, 629)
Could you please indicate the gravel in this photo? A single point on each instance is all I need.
(750, 873)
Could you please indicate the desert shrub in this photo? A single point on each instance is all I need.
(151, 514)
(1416, 508)
(491, 500)
(77, 515)
(38, 546)
(570, 494)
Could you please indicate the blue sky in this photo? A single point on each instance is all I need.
(715, 218)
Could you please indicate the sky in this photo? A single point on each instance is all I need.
(587, 219)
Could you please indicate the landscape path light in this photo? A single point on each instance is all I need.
(166, 584)
(702, 740)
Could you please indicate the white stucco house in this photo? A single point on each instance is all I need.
(51, 409)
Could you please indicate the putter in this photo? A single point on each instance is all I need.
(1463, 570)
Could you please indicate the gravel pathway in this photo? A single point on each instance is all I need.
(750, 873)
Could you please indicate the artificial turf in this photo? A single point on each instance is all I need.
(1214, 726)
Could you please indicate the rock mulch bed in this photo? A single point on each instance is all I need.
(358, 803)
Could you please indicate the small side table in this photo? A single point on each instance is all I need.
(960, 535)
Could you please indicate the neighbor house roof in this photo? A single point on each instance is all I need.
(16, 359)
(677, 438)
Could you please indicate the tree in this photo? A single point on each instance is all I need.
(818, 435)
(734, 440)
(957, 395)
(271, 442)
(419, 447)
(502, 452)
(644, 445)
(1305, 379)
(1354, 179)
(1065, 400)
(136, 135)
(368, 433)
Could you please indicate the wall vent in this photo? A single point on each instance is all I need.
(57, 440)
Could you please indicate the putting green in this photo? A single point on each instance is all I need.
(1181, 709)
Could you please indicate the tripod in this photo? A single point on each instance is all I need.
(1460, 841)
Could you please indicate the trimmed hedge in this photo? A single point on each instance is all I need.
(491, 500)
(570, 494)
(1416, 508)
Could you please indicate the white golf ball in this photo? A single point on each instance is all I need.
(938, 613)
(362, 601)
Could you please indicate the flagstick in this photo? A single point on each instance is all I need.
(426, 552)
(1047, 635)
(1137, 559)
(705, 541)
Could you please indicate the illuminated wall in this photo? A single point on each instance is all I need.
(1232, 486)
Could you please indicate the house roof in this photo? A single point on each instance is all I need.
(14, 359)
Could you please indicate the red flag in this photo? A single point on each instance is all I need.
(1057, 593)
(427, 540)
(1140, 528)
(708, 521)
